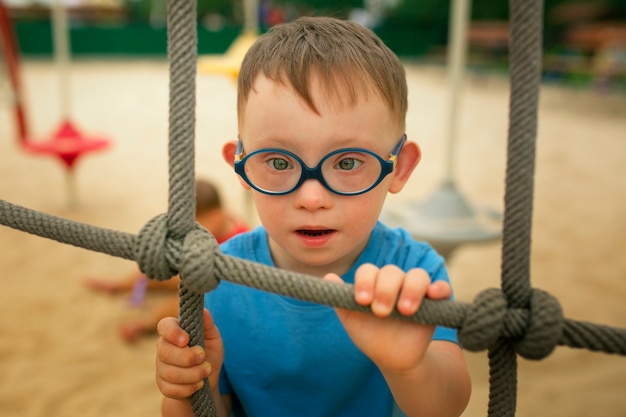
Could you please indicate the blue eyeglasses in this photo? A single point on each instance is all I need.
(348, 171)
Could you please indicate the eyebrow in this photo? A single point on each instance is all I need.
(271, 142)
(287, 144)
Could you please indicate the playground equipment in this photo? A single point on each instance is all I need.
(229, 63)
(8, 47)
(66, 143)
(446, 219)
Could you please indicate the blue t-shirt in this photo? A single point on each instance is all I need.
(286, 357)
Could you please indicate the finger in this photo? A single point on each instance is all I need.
(169, 329)
(439, 290)
(389, 281)
(416, 284)
(365, 284)
(333, 278)
(177, 392)
(178, 375)
(341, 313)
(179, 356)
(211, 332)
(170, 382)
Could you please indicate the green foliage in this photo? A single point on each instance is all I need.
(140, 10)
(337, 8)
(226, 8)
(324, 4)
(490, 10)
(420, 11)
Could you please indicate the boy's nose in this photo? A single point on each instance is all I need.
(313, 195)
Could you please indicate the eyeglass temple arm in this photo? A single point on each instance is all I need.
(396, 150)
(238, 151)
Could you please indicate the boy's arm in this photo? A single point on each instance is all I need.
(172, 407)
(426, 377)
(182, 408)
(439, 386)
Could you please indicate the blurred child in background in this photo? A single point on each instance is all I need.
(211, 214)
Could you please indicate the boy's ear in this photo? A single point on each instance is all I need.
(228, 152)
(408, 158)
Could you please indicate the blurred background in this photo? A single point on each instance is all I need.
(61, 353)
(583, 39)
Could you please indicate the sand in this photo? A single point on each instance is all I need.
(60, 354)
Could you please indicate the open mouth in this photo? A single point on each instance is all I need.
(314, 233)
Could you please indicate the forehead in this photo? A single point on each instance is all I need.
(275, 113)
(339, 88)
(340, 92)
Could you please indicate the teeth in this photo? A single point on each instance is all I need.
(314, 233)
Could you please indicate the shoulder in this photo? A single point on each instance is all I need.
(396, 246)
(251, 245)
(398, 240)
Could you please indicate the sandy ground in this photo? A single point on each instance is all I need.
(60, 354)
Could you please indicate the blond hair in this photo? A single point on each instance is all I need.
(347, 59)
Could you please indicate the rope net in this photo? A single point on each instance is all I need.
(514, 320)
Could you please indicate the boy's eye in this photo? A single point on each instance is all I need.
(348, 164)
(279, 164)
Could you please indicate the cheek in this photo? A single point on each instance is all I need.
(270, 209)
(362, 212)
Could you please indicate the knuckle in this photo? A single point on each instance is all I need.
(391, 269)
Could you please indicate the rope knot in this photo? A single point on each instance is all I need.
(544, 326)
(197, 268)
(161, 257)
(534, 331)
(482, 325)
(152, 250)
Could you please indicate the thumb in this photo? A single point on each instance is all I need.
(333, 278)
(341, 313)
(211, 331)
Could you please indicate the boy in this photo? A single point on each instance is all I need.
(328, 94)
(210, 213)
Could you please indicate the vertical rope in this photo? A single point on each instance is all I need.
(525, 52)
(182, 52)
(191, 307)
(502, 380)
(525, 68)
(182, 55)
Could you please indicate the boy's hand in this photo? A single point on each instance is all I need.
(180, 369)
(392, 345)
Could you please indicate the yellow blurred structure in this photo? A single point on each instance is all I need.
(228, 63)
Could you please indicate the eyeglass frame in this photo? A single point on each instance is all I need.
(387, 166)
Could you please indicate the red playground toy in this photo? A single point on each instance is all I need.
(67, 143)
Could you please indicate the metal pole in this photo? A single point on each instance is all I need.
(251, 16)
(457, 46)
(61, 54)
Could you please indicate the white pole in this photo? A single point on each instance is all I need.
(457, 46)
(61, 54)
(251, 16)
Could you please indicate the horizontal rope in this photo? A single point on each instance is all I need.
(111, 242)
(534, 331)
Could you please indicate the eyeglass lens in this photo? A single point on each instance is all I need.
(345, 172)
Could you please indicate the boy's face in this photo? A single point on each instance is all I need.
(313, 230)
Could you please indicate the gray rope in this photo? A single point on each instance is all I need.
(525, 53)
(534, 330)
(197, 257)
(182, 51)
(514, 320)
